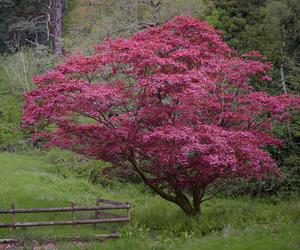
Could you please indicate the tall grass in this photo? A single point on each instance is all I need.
(21, 66)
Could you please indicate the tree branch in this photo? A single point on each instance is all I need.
(147, 182)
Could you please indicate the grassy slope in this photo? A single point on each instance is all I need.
(225, 224)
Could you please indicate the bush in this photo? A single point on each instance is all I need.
(67, 163)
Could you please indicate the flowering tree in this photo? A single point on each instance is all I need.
(172, 103)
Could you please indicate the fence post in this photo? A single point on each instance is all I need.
(129, 215)
(96, 211)
(73, 212)
(73, 216)
(14, 219)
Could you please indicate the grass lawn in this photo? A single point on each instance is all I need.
(225, 224)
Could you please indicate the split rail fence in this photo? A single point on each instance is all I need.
(101, 216)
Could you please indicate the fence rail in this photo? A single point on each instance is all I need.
(101, 216)
(62, 209)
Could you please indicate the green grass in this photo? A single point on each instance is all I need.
(277, 237)
(225, 223)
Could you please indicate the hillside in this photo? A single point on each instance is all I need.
(225, 224)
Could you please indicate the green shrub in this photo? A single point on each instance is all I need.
(66, 163)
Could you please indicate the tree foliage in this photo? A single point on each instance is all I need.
(237, 18)
(272, 27)
(172, 103)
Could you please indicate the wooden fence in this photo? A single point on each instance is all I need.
(101, 216)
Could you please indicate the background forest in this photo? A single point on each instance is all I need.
(36, 34)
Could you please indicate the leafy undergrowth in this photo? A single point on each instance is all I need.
(225, 223)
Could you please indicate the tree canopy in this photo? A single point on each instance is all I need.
(172, 103)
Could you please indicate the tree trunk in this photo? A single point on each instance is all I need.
(185, 204)
(155, 11)
(57, 28)
(191, 209)
(283, 78)
(282, 75)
